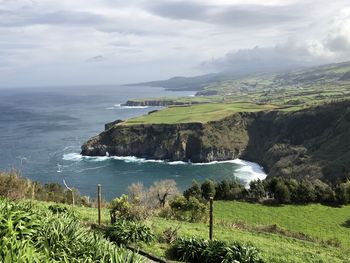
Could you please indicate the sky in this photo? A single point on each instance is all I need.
(92, 42)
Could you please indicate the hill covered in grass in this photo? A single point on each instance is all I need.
(311, 143)
(303, 87)
(288, 233)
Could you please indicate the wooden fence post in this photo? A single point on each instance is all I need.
(211, 218)
(99, 203)
(71, 190)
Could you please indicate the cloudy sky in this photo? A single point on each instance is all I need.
(71, 42)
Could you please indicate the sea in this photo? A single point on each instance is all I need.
(43, 128)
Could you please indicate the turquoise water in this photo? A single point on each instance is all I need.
(42, 129)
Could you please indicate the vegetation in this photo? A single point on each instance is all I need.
(32, 234)
(298, 88)
(203, 251)
(125, 232)
(190, 209)
(13, 186)
(276, 190)
(282, 233)
(197, 113)
(224, 95)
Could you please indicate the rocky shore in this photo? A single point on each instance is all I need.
(312, 143)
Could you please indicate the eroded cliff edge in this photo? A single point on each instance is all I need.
(313, 142)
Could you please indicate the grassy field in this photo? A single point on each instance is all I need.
(197, 113)
(326, 230)
(289, 91)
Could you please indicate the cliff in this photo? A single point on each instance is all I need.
(311, 143)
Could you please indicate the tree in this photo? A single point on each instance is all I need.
(208, 189)
(342, 193)
(136, 192)
(281, 192)
(161, 190)
(257, 189)
(223, 190)
(194, 191)
(191, 209)
(305, 192)
(323, 192)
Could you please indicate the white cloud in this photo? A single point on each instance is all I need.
(50, 41)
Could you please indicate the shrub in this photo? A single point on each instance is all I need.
(125, 232)
(208, 188)
(14, 187)
(58, 209)
(169, 235)
(342, 192)
(121, 208)
(257, 190)
(204, 251)
(194, 191)
(191, 210)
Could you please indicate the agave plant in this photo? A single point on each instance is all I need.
(32, 234)
(125, 232)
(203, 251)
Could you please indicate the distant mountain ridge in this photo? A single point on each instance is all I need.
(198, 83)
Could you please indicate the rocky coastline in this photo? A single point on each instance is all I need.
(313, 143)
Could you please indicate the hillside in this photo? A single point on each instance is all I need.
(308, 86)
(313, 142)
(284, 234)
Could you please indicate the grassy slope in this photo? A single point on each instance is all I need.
(320, 222)
(302, 88)
(197, 113)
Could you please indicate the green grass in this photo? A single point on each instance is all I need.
(319, 222)
(197, 113)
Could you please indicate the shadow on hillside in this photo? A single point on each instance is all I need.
(346, 223)
(271, 202)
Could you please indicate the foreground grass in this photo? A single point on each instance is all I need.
(320, 223)
(197, 113)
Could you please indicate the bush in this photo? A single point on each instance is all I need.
(208, 188)
(58, 209)
(257, 190)
(121, 208)
(342, 192)
(13, 186)
(191, 210)
(194, 191)
(125, 232)
(169, 235)
(204, 251)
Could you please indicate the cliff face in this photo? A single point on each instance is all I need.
(181, 142)
(310, 143)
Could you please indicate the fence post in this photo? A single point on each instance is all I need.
(211, 218)
(99, 203)
(71, 190)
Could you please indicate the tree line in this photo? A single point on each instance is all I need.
(276, 190)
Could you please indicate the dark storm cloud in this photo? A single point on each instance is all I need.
(240, 16)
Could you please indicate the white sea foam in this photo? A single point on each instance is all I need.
(119, 106)
(247, 171)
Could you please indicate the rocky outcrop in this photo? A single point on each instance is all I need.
(310, 143)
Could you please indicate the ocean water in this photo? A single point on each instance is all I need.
(42, 129)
